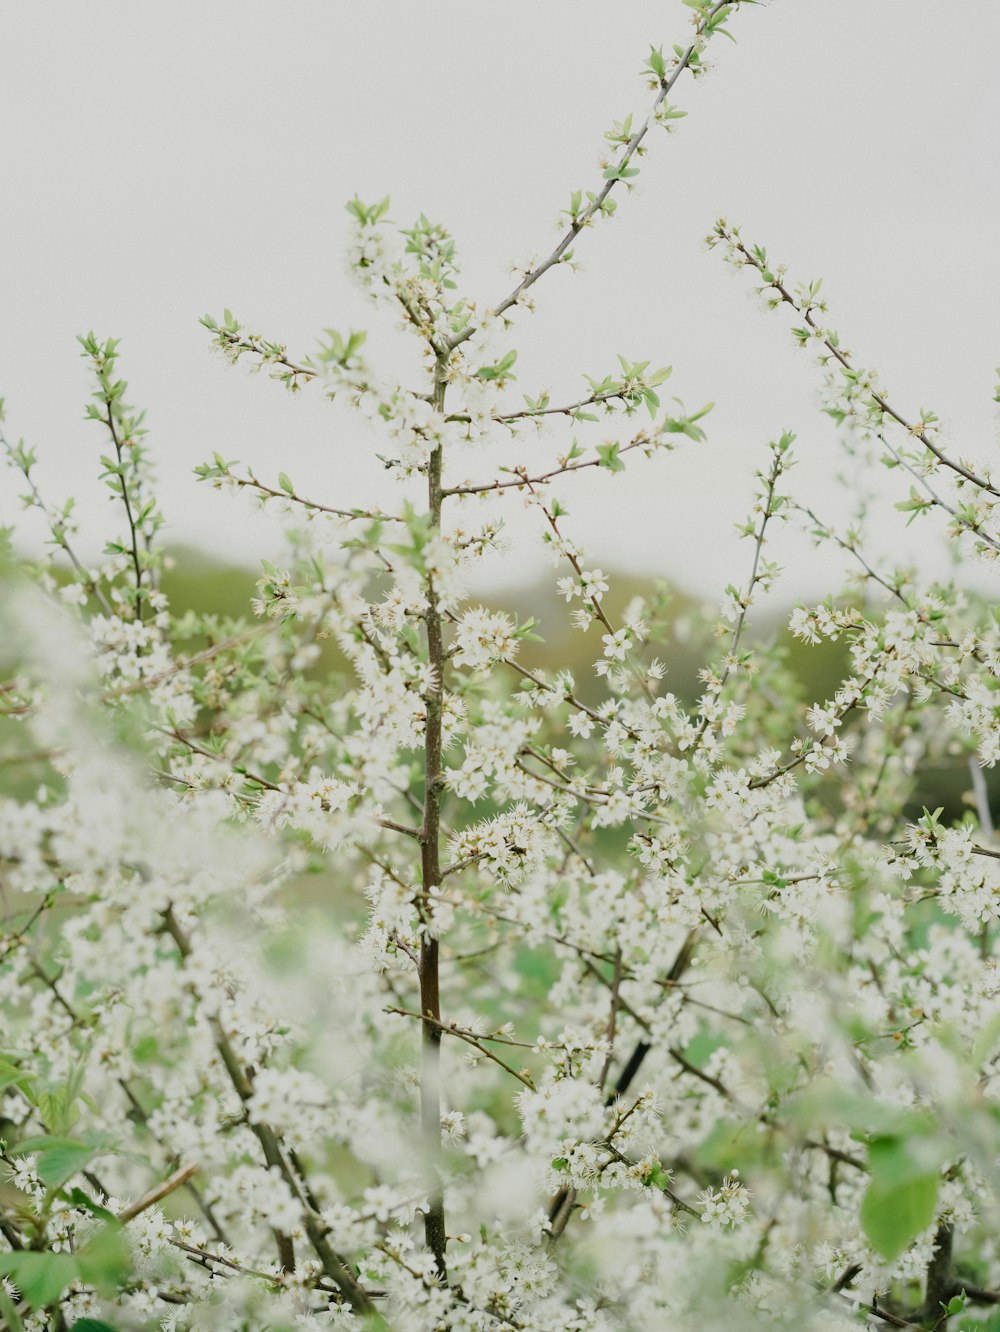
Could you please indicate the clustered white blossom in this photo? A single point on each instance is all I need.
(363, 970)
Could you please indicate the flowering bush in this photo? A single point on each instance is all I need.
(359, 972)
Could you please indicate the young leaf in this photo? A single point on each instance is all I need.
(59, 1159)
(902, 1196)
(608, 454)
(40, 1277)
(103, 1261)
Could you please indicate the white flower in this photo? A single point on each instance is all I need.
(727, 1207)
(594, 583)
(616, 645)
(482, 637)
(580, 724)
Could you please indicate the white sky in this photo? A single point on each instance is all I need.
(160, 161)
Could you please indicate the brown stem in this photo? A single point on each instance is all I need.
(156, 1195)
(126, 498)
(612, 1019)
(940, 1277)
(430, 866)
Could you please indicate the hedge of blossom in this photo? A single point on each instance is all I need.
(360, 973)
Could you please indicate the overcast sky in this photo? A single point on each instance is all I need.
(160, 161)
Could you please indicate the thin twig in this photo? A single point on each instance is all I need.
(471, 1038)
(178, 1178)
(582, 218)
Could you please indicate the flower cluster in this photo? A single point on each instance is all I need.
(364, 966)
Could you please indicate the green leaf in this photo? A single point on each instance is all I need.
(81, 1199)
(62, 1162)
(40, 1277)
(902, 1196)
(608, 455)
(284, 481)
(59, 1159)
(525, 631)
(500, 371)
(656, 64)
(92, 1325)
(893, 1217)
(659, 1178)
(11, 1075)
(104, 1260)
